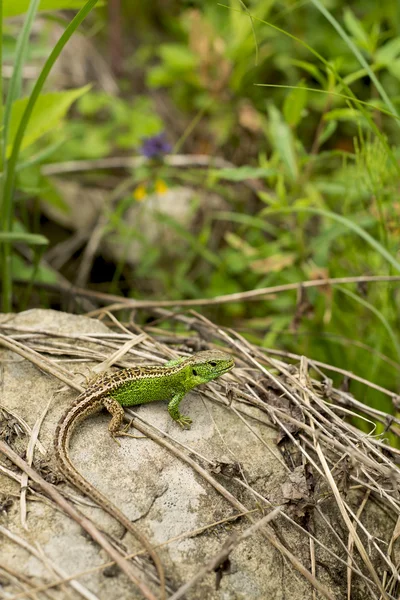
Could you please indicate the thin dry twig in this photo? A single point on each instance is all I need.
(29, 457)
(114, 302)
(128, 162)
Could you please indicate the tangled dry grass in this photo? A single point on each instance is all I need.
(340, 479)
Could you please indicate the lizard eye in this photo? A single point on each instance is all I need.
(213, 364)
(194, 372)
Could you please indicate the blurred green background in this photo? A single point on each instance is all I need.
(293, 108)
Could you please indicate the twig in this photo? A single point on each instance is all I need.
(119, 303)
(128, 162)
(29, 457)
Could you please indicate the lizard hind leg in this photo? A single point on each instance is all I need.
(117, 412)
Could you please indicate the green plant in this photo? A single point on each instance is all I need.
(303, 103)
(23, 122)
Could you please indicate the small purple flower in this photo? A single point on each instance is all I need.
(155, 146)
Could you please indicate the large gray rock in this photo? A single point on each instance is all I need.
(161, 494)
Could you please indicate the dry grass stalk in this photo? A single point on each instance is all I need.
(335, 463)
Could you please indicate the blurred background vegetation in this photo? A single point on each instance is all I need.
(183, 150)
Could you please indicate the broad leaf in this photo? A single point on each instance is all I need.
(11, 8)
(282, 139)
(355, 27)
(49, 110)
(294, 105)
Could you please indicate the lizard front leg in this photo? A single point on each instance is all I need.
(173, 409)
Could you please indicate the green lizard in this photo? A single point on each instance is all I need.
(131, 387)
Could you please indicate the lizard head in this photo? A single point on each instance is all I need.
(208, 365)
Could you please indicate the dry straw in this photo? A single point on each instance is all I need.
(339, 480)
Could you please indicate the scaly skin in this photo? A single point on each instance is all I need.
(131, 387)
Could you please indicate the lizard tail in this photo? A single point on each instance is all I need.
(63, 433)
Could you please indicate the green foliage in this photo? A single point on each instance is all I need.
(302, 100)
(240, 173)
(47, 114)
(32, 114)
(13, 8)
(295, 105)
(103, 123)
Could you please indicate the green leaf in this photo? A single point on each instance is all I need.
(394, 68)
(50, 194)
(14, 89)
(294, 105)
(310, 68)
(11, 8)
(282, 140)
(32, 239)
(49, 110)
(327, 132)
(343, 114)
(95, 101)
(25, 272)
(390, 51)
(242, 173)
(178, 57)
(355, 27)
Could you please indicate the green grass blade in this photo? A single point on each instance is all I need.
(344, 221)
(13, 93)
(15, 82)
(12, 162)
(40, 156)
(356, 53)
(74, 24)
(1, 92)
(243, 219)
(261, 224)
(331, 93)
(33, 239)
(376, 312)
(330, 66)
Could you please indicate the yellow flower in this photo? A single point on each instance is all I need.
(160, 186)
(140, 193)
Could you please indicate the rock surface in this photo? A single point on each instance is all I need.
(161, 494)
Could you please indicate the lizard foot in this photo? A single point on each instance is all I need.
(124, 432)
(114, 435)
(184, 422)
